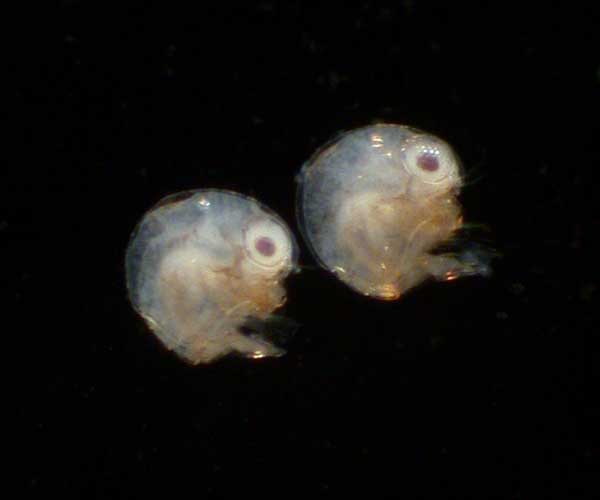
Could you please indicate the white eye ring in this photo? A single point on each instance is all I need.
(267, 243)
(430, 160)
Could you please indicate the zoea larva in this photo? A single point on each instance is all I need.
(375, 203)
(201, 264)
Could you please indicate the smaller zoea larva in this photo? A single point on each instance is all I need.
(201, 265)
(376, 202)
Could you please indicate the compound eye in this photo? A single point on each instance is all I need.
(431, 160)
(267, 243)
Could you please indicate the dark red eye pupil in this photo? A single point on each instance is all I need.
(265, 246)
(428, 162)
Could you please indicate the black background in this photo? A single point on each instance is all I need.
(480, 388)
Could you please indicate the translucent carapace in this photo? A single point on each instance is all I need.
(375, 203)
(201, 265)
